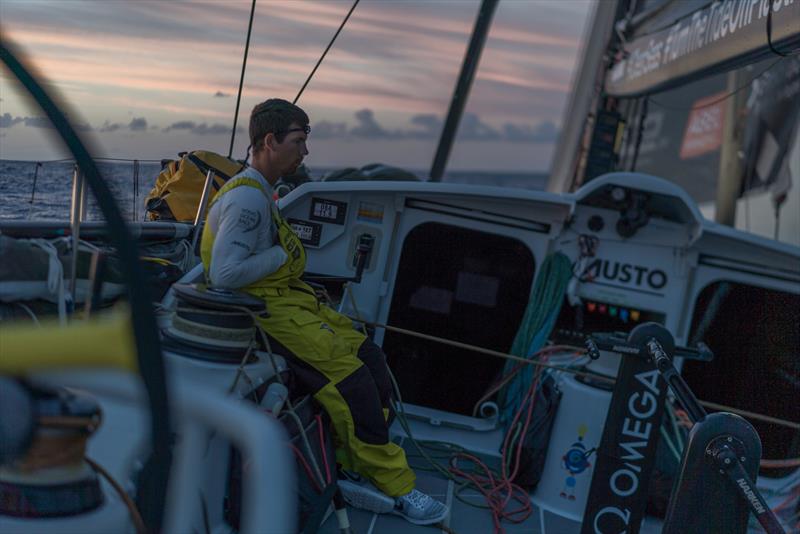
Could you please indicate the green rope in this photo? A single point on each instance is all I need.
(540, 316)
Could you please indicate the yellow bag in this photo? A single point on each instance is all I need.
(178, 188)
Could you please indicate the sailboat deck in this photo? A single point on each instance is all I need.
(463, 518)
(470, 517)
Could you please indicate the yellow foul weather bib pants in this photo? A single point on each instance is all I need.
(345, 371)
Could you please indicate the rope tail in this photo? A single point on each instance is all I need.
(544, 305)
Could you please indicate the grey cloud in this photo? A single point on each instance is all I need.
(214, 129)
(108, 127)
(199, 129)
(327, 130)
(429, 126)
(367, 125)
(517, 132)
(474, 129)
(220, 94)
(137, 124)
(37, 122)
(7, 121)
(544, 132)
(181, 125)
(44, 122)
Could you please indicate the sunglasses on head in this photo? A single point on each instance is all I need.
(305, 129)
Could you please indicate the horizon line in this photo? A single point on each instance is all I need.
(326, 167)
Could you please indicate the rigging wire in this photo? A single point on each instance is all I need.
(296, 98)
(584, 373)
(723, 97)
(241, 78)
(330, 44)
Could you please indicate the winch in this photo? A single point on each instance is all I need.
(52, 478)
(211, 323)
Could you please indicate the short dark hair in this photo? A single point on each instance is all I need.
(274, 116)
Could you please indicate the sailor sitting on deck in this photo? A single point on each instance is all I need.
(248, 245)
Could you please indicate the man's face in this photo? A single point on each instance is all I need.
(289, 154)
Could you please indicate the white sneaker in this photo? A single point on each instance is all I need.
(419, 508)
(360, 493)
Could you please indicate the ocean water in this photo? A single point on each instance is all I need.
(35, 191)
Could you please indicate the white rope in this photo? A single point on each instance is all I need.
(187, 262)
(233, 338)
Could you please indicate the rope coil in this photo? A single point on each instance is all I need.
(233, 338)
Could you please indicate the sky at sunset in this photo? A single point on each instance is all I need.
(146, 79)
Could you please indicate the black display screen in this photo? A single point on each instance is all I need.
(330, 211)
(308, 232)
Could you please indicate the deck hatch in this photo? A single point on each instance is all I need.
(460, 284)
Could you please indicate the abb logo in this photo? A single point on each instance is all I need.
(704, 127)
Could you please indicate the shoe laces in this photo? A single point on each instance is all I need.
(417, 499)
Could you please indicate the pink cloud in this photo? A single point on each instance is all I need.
(399, 59)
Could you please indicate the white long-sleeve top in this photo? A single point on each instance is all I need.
(246, 246)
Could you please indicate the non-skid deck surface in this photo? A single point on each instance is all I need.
(463, 519)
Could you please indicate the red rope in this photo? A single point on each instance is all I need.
(306, 467)
(530, 396)
(501, 492)
(497, 492)
(780, 464)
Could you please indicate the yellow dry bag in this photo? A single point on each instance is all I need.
(178, 188)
